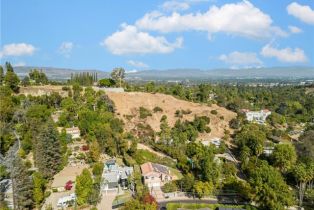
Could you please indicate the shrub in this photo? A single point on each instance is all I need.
(144, 113)
(188, 111)
(98, 168)
(178, 113)
(214, 112)
(169, 187)
(157, 109)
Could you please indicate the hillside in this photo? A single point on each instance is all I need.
(278, 73)
(127, 108)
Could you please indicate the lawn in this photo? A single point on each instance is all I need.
(175, 206)
(176, 172)
(142, 156)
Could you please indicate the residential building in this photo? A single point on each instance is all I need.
(256, 116)
(74, 132)
(155, 175)
(115, 175)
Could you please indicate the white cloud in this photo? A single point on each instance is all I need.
(180, 5)
(17, 49)
(241, 59)
(287, 55)
(66, 48)
(130, 40)
(294, 29)
(241, 18)
(302, 12)
(137, 64)
(19, 64)
(175, 5)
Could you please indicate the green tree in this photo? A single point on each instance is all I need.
(118, 74)
(22, 186)
(253, 137)
(39, 188)
(25, 81)
(38, 76)
(11, 79)
(1, 75)
(94, 150)
(48, 157)
(106, 82)
(269, 188)
(83, 187)
(302, 175)
(98, 168)
(284, 157)
(203, 188)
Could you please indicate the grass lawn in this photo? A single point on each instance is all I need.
(176, 172)
(175, 206)
(143, 156)
(122, 198)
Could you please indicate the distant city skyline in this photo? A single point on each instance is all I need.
(140, 35)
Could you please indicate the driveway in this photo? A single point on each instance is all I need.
(106, 200)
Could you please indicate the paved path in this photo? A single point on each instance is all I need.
(106, 201)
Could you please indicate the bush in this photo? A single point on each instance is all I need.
(98, 168)
(157, 109)
(169, 187)
(178, 113)
(214, 112)
(65, 88)
(188, 111)
(144, 113)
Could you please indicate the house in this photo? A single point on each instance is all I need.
(155, 175)
(74, 132)
(214, 141)
(256, 116)
(115, 175)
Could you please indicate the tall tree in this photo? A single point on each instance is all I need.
(118, 74)
(1, 75)
(11, 79)
(83, 187)
(39, 188)
(284, 157)
(22, 186)
(48, 157)
(270, 190)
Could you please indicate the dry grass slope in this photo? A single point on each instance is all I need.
(128, 103)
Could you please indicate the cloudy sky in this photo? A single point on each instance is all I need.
(155, 34)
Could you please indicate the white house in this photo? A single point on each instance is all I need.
(155, 175)
(256, 116)
(74, 132)
(215, 141)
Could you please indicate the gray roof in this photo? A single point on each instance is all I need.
(111, 177)
(160, 168)
(110, 162)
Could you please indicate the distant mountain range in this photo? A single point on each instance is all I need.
(282, 73)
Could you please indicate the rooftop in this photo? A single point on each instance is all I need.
(154, 167)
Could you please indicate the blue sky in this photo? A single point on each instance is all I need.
(143, 34)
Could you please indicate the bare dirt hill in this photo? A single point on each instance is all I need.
(128, 103)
